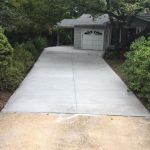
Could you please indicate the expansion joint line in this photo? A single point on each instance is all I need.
(74, 83)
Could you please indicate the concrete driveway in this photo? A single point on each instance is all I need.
(67, 80)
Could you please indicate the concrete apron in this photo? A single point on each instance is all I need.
(67, 80)
(28, 131)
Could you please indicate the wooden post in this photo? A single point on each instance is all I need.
(58, 38)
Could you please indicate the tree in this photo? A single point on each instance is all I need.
(12, 17)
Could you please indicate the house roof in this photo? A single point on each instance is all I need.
(145, 17)
(85, 19)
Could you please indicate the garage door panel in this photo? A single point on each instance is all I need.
(92, 39)
(87, 40)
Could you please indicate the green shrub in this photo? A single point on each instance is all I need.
(12, 76)
(19, 65)
(137, 68)
(23, 56)
(6, 51)
(40, 43)
(29, 45)
(111, 53)
(34, 47)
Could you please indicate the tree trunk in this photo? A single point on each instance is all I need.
(124, 38)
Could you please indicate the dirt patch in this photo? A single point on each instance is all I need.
(73, 132)
(4, 96)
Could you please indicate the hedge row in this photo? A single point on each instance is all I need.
(16, 62)
(137, 68)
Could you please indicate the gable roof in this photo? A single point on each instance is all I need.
(85, 19)
(68, 23)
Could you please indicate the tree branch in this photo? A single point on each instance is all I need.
(100, 11)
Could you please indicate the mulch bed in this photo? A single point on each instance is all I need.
(4, 96)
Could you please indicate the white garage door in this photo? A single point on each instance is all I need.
(92, 39)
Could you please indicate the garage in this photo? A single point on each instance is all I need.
(89, 33)
(92, 39)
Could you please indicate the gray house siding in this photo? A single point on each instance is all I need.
(77, 37)
(105, 40)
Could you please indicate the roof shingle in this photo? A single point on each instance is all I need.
(85, 19)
